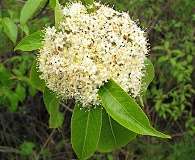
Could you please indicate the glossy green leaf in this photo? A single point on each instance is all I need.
(85, 130)
(149, 75)
(122, 108)
(21, 92)
(34, 77)
(10, 29)
(58, 14)
(113, 134)
(54, 112)
(31, 42)
(30, 7)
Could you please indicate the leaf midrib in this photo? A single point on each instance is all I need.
(112, 131)
(86, 133)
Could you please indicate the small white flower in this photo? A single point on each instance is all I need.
(91, 48)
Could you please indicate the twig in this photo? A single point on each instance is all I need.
(66, 107)
(45, 144)
(177, 135)
(4, 149)
(38, 14)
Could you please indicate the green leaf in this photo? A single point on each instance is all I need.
(60, 119)
(1, 26)
(89, 2)
(30, 7)
(21, 92)
(5, 76)
(48, 96)
(85, 130)
(25, 29)
(158, 48)
(149, 75)
(52, 4)
(25, 79)
(52, 104)
(54, 112)
(12, 96)
(32, 91)
(122, 108)
(10, 29)
(31, 42)
(34, 77)
(27, 148)
(167, 44)
(58, 14)
(113, 134)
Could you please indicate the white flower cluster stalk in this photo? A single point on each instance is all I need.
(89, 49)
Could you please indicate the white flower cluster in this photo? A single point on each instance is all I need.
(91, 48)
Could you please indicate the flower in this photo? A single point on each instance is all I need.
(89, 49)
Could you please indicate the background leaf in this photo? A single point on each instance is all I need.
(27, 148)
(5, 76)
(32, 90)
(58, 14)
(85, 130)
(34, 77)
(29, 9)
(12, 96)
(89, 1)
(10, 29)
(25, 29)
(113, 134)
(31, 42)
(1, 26)
(52, 4)
(21, 92)
(122, 108)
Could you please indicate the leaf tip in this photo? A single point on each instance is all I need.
(167, 136)
(162, 135)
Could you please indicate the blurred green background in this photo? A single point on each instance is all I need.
(169, 102)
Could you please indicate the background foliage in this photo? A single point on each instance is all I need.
(168, 102)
